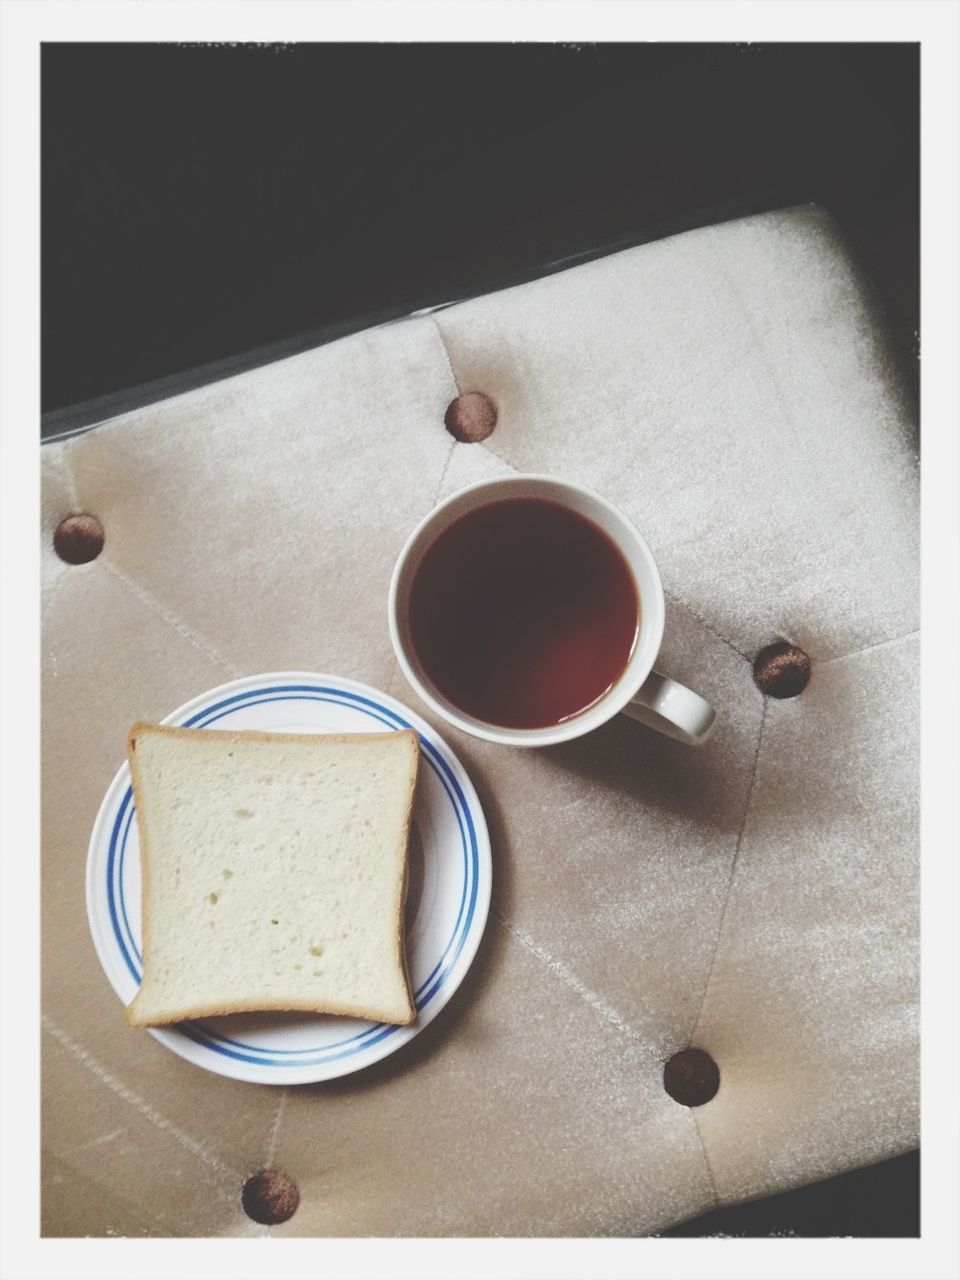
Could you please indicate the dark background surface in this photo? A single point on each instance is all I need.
(206, 208)
(204, 203)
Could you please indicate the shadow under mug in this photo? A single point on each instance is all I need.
(640, 691)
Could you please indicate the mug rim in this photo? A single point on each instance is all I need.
(628, 684)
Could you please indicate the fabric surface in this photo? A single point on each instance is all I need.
(731, 389)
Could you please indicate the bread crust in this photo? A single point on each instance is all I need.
(131, 1017)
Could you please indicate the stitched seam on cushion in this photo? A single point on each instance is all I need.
(485, 444)
(392, 672)
(716, 949)
(45, 609)
(704, 623)
(446, 354)
(74, 493)
(733, 869)
(560, 970)
(186, 1140)
(51, 592)
(443, 474)
(453, 441)
(706, 1159)
(275, 1129)
(456, 388)
(171, 619)
(855, 653)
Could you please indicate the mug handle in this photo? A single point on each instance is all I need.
(673, 709)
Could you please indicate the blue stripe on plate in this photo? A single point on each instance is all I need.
(135, 950)
(435, 980)
(111, 899)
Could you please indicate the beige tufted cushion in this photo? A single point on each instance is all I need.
(732, 391)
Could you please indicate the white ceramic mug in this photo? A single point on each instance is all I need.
(640, 692)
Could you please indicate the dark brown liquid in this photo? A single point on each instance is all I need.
(523, 613)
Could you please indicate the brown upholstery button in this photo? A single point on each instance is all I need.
(781, 670)
(471, 417)
(270, 1197)
(78, 539)
(691, 1077)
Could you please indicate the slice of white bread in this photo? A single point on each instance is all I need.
(273, 870)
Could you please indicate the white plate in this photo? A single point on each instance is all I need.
(447, 900)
